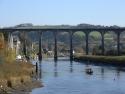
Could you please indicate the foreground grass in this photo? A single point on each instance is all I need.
(17, 78)
(105, 59)
(15, 69)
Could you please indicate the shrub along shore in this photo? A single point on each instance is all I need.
(17, 77)
(116, 60)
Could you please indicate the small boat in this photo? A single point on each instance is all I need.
(89, 71)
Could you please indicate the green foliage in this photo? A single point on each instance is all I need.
(79, 34)
(107, 35)
(95, 35)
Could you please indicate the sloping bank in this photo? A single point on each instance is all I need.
(16, 78)
(116, 60)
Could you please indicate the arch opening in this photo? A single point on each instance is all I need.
(110, 40)
(79, 43)
(63, 44)
(122, 43)
(95, 43)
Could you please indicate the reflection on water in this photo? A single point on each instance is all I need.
(40, 71)
(65, 77)
(102, 72)
(55, 69)
(71, 66)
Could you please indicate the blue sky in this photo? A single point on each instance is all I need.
(53, 12)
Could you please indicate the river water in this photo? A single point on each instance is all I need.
(65, 77)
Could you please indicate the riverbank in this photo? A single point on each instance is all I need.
(18, 77)
(116, 60)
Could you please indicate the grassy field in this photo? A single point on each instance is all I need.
(8, 70)
(104, 59)
(17, 78)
